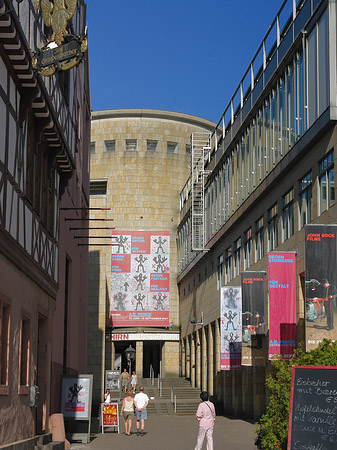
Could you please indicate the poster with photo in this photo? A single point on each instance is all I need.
(76, 396)
(112, 380)
(253, 318)
(140, 278)
(282, 304)
(320, 284)
(230, 327)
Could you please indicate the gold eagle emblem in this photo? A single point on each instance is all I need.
(56, 15)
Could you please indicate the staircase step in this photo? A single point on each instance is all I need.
(43, 439)
(50, 446)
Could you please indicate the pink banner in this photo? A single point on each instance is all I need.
(140, 278)
(282, 304)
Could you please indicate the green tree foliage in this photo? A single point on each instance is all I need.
(272, 430)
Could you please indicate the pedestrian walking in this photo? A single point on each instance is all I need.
(124, 381)
(127, 411)
(206, 416)
(141, 401)
(134, 381)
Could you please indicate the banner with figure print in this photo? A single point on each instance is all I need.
(140, 278)
(230, 327)
(253, 318)
(320, 284)
(282, 304)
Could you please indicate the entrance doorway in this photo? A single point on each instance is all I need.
(120, 348)
(151, 357)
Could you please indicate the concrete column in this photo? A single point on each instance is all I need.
(204, 360)
(139, 358)
(218, 388)
(210, 360)
(198, 360)
(183, 357)
(170, 359)
(188, 357)
(217, 346)
(193, 368)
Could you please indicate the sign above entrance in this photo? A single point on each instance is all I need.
(142, 337)
(140, 278)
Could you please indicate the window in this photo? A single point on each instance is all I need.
(259, 244)
(305, 200)
(247, 249)
(188, 149)
(4, 344)
(98, 187)
(228, 264)
(237, 257)
(24, 352)
(220, 272)
(110, 146)
(172, 147)
(130, 145)
(326, 183)
(288, 214)
(272, 228)
(92, 148)
(151, 145)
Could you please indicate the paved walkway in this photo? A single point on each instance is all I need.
(175, 432)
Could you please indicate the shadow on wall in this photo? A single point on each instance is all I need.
(109, 364)
(96, 337)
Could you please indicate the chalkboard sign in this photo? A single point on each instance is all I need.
(313, 408)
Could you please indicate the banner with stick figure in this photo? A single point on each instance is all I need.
(230, 327)
(140, 278)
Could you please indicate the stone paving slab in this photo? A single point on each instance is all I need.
(175, 432)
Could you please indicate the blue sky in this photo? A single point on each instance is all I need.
(185, 56)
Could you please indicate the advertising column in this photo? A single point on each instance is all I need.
(231, 328)
(320, 283)
(282, 304)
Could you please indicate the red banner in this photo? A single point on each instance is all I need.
(282, 304)
(140, 278)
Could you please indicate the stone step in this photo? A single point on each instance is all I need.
(50, 446)
(43, 439)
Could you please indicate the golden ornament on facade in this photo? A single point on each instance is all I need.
(56, 15)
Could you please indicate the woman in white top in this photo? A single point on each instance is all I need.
(127, 411)
(134, 381)
(107, 397)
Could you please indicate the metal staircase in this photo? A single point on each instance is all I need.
(201, 147)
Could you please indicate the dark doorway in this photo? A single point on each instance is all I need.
(120, 348)
(151, 357)
(41, 374)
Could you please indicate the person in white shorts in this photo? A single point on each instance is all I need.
(141, 401)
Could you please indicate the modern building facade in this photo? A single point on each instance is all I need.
(140, 160)
(44, 167)
(268, 173)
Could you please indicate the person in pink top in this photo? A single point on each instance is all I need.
(206, 416)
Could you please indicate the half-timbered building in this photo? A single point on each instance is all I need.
(44, 179)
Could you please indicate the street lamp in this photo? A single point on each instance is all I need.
(130, 355)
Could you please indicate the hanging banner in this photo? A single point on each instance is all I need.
(230, 327)
(320, 283)
(253, 318)
(282, 304)
(140, 278)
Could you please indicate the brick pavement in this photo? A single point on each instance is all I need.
(175, 432)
